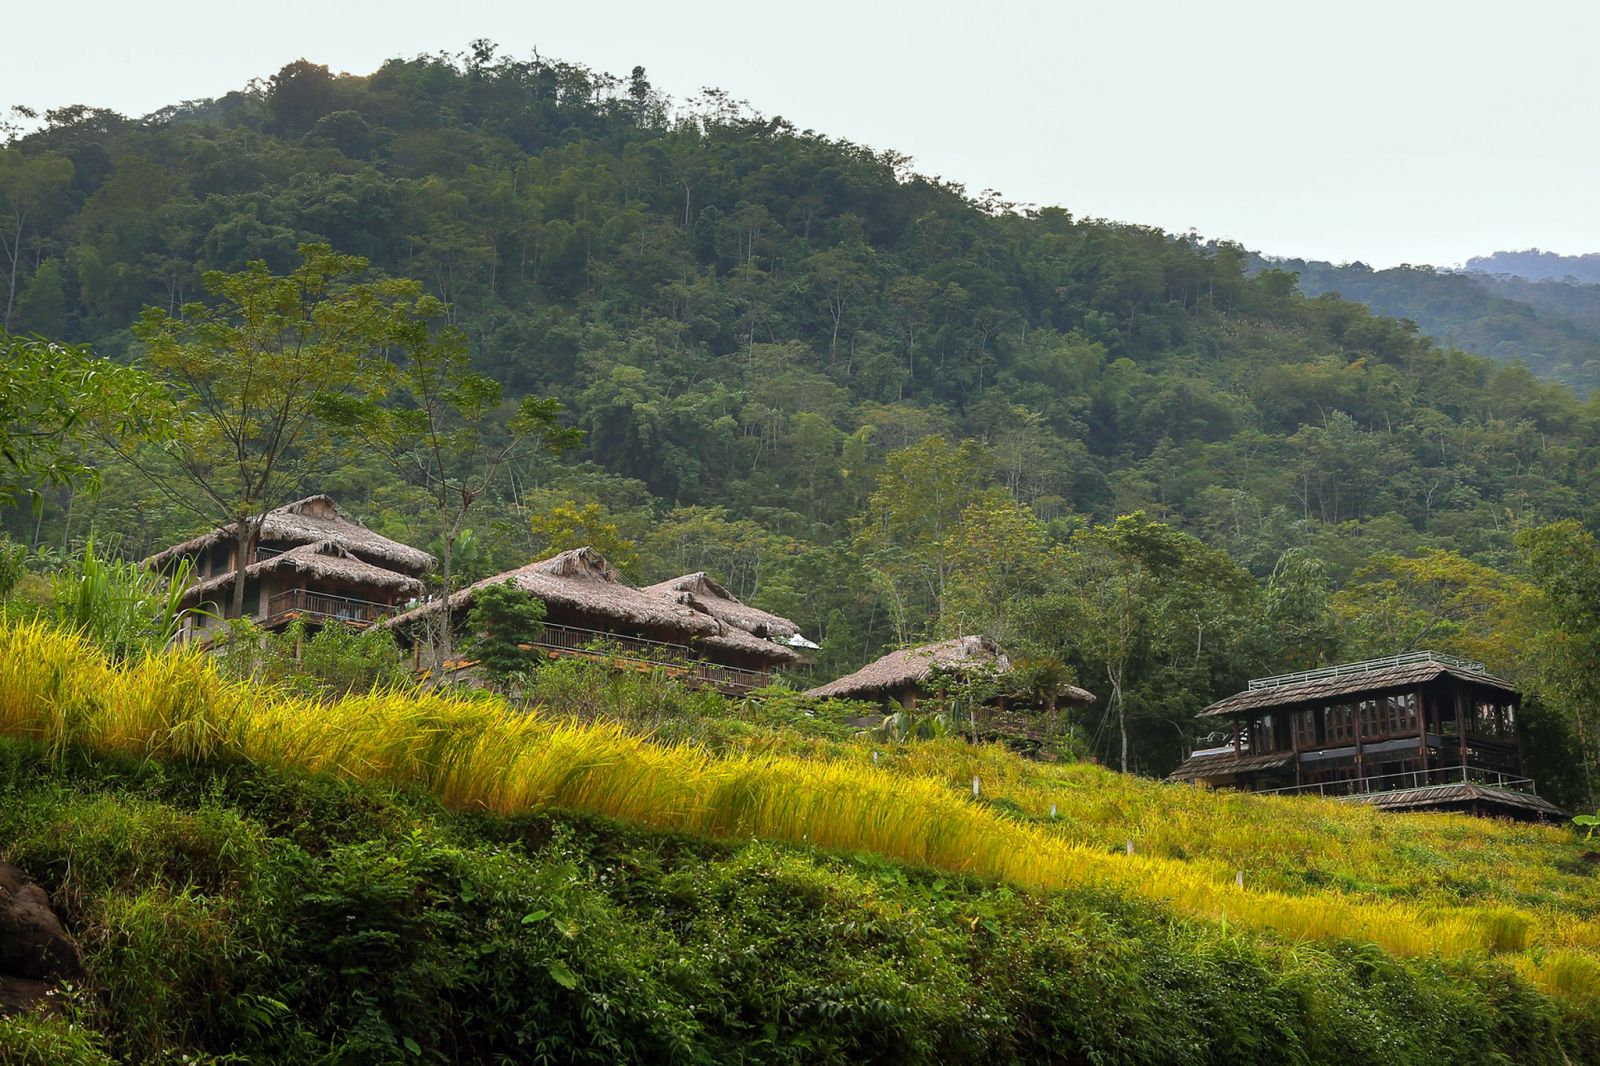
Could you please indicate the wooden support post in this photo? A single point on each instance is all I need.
(1295, 740)
(1236, 736)
(1515, 707)
(1422, 732)
(1361, 732)
(1461, 724)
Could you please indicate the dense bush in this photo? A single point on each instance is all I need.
(230, 910)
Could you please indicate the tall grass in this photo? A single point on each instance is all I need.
(481, 754)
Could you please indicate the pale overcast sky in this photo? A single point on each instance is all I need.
(1393, 131)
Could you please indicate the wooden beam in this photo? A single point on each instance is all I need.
(1422, 730)
(1516, 727)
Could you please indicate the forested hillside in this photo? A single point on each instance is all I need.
(776, 345)
(1534, 264)
(1553, 326)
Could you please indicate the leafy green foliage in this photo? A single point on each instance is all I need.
(120, 605)
(229, 909)
(330, 662)
(857, 395)
(503, 620)
(44, 390)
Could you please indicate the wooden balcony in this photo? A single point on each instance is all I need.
(320, 607)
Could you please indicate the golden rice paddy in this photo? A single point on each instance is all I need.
(1414, 885)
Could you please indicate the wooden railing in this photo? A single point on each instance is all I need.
(1366, 666)
(677, 660)
(320, 606)
(1410, 779)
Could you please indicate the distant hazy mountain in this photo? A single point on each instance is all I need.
(1536, 265)
(1552, 326)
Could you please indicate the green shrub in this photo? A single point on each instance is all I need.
(333, 661)
(503, 619)
(118, 604)
(45, 1040)
(229, 910)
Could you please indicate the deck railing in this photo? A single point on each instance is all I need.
(1365, 666)
(678, 660)
(321, 606)
(1409, 779)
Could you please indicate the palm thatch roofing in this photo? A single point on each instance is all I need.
(1215, 764)
(912, 666)
(701, 591)
(734, 639)
(312, 520)
(581, 580)
(1320, 690)
(1461, 793)
(327, 560)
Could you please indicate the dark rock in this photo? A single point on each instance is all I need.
(33, 944)
(19, 994)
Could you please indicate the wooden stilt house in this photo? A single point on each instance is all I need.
(1419, 731)
(592, 613)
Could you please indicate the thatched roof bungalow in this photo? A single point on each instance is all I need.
(312, 520)
(309, 562)
(702, 592)
(585, 601)
(314, 583)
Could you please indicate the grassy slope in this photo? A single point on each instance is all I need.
(197, 877)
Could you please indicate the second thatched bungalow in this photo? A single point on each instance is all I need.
(902, 679)
(592, 613)
(905, 677)
(700, 591)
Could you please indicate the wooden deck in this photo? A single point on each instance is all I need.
(319, 607)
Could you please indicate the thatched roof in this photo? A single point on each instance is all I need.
(311, 521)
(1215, 764)
(732, 638)
(1462, 794)
(701, 591)
(1377, 681)
(326, 559)
(910, 666)
(582, 580)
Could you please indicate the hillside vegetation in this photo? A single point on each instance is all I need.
(1483, 903)
(1551, 325)
(856, 394)
(1535, 264)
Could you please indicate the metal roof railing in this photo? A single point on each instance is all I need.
(1366, 666)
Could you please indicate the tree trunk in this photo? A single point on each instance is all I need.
(241, 541)
(16, 257)
(1122, 719)
(447, 577)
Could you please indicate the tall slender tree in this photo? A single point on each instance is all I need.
(451, 433)
(247, 379)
